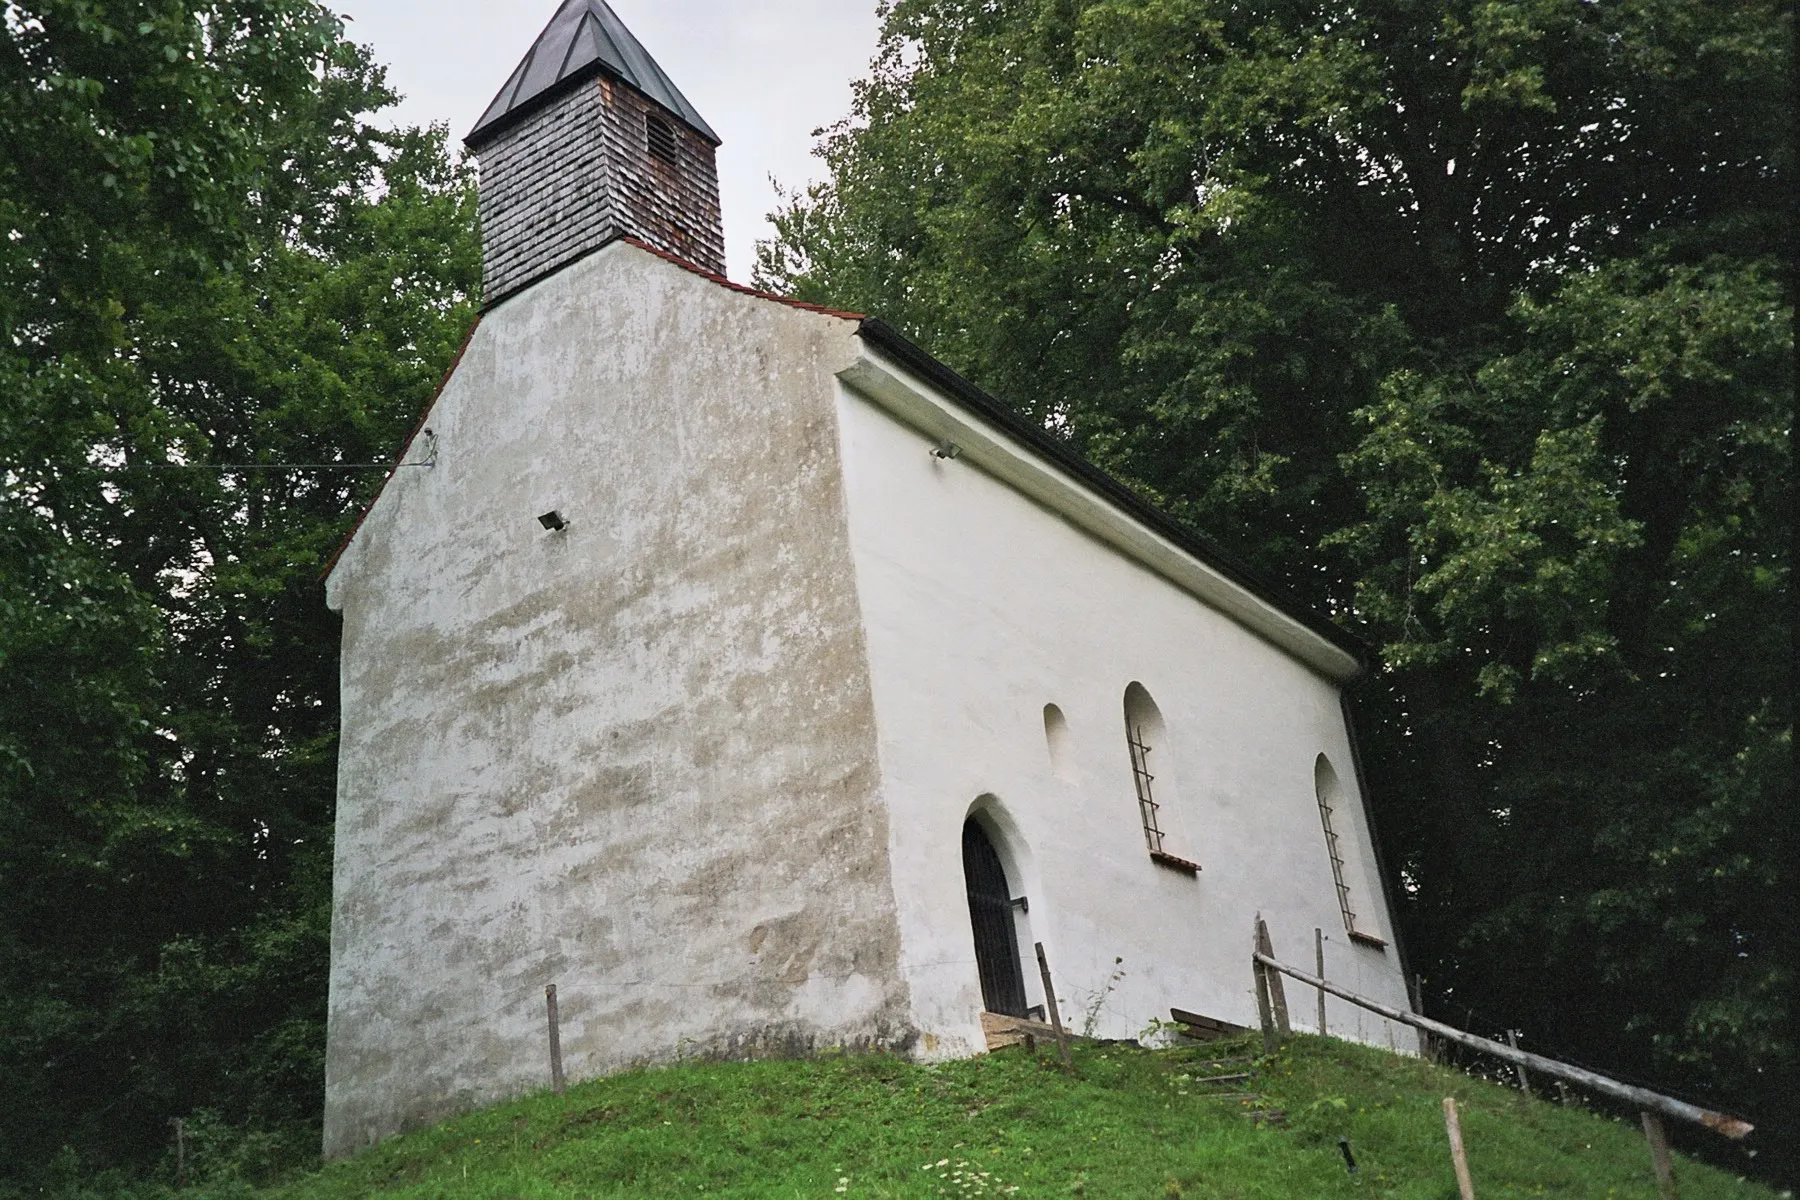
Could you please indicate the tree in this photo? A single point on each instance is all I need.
(212, 259)
(1468, 323)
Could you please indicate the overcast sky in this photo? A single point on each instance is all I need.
(764, 74)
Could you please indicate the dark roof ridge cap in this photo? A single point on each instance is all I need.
(512, 118)
(597, 42)
(990, 408)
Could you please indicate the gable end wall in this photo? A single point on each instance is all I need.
(635, 758)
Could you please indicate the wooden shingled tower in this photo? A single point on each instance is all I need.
(589, 141)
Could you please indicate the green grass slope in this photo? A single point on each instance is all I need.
(1132, 1123)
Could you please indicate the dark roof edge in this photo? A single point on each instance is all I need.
(484, 134)
(994, 412)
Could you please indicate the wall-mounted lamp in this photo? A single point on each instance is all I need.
(553, 521)
(946, 449)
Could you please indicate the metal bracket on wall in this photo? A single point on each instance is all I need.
(430, 438)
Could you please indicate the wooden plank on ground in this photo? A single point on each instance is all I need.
(1002, 1031)
(1204, 1029)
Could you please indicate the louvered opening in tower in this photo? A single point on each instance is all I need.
(659, 135)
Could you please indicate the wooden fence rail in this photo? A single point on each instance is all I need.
(1732, 1127)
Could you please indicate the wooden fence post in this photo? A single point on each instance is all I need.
(1054, 1009)
(556, 1066)
(1415, 991)
(1724, 1124)
(1659, 1156)
(1260, 976)
(1319, 957)
(1459, 1158)
(1277, 993)
(1512, 1039)
(180, 1125)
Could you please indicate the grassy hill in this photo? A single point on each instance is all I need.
(1132, 1123)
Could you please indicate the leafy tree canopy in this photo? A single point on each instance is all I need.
(1468, 321)
(207, 256)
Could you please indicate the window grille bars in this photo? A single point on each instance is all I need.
(1140, 773)
(1337, 863)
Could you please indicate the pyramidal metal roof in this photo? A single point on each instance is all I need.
(584, 38)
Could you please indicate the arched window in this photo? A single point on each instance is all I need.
(1152, 770)
(1331, 793)
(1334, 812)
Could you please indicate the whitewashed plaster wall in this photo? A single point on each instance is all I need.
(635, 758)
(702, 759)
(980, 607)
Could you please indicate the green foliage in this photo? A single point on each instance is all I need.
(1134, 1123)
(210, 258)
(1469, 322)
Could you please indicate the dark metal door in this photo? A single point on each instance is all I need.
(990, 912)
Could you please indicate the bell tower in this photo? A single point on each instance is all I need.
(589, 141)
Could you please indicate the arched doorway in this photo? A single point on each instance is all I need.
(990, 912)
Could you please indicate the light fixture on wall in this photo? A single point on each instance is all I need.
(553, 521)
(946, 449)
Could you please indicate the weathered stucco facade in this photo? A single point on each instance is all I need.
(723, 634)
(635, 758)
(703, 757)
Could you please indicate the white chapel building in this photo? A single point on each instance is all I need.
(748, 675)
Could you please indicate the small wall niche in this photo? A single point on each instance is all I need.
(1060, 743)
